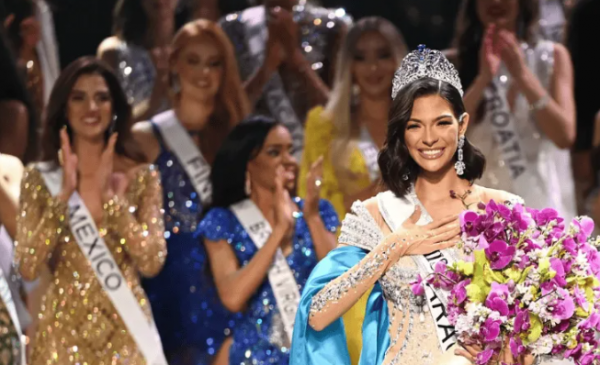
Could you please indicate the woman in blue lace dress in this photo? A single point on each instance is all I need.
(262, 244)
(192, 322)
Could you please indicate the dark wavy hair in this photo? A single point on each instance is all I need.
(469, 35)
(130, 21)
(242, 145)
(395, 161)
(13, 87)
(56, 113)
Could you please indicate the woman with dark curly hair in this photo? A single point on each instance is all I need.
(387, 241)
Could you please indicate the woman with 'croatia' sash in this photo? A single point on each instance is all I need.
(93, 213)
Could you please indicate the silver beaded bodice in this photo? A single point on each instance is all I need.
(412, 329)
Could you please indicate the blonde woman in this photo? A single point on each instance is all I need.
(349, 131)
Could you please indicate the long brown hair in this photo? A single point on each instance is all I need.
(232, 103)
(469, 35)
(339, 107)
(56, 113)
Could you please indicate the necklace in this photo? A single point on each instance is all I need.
(462, 197)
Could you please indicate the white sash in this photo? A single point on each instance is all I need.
(188, 154)
(254, 21)
(370, 152)
(7, 298)
(281, 276)
(395, 211)
(506, 135)
(107, 271)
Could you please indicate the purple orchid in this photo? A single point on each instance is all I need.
(497, 297)
(500, 254)
(417, 287)
(521, 321)
(564, 308)
(467, 222)
(491, 329)
(484, 357)
(458, 294)
(516, 346)
(442, 277)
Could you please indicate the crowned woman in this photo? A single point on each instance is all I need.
(387, 241)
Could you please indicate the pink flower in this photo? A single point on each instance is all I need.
(516, 346)
(442, 277)
(458, 294)
(521, 321)
(484, 357)
(417, 287)
(500, 254)
(467, 222)
(496, 299)
(491, 329)
(564, 307)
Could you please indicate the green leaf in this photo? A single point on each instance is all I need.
(514, 274)
(535, 331)
(465, 268)
(475, 293)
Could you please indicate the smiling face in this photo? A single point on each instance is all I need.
(89, 107)
(276, 153)
(373, 65)
(432, 133)
(503, 13)
(199, 67)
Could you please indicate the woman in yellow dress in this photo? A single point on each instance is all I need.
(348, 132)
(89, 120)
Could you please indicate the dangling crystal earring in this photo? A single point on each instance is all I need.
(248, 185)
(460, 165)
(406, 176)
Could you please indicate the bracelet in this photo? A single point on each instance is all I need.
(540, 104)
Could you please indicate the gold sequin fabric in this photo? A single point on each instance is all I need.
(78, 323)
(9, 340)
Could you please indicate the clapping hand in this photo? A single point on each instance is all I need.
(313, 188)
(69, 162)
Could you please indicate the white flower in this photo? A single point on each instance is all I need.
(542, 346)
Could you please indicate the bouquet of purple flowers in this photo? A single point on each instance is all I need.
(530, 284)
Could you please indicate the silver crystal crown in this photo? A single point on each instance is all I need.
(424, 62)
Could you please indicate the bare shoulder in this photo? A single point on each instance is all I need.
(108, 51)
(110, 44)
(11, 168)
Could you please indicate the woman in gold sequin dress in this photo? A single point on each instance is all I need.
(78, 322)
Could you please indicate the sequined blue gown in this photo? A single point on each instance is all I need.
(190, 318)
(258, 338)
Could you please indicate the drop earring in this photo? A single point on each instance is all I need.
(460, 164)
(406, 176)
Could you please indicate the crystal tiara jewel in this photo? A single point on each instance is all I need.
(424, 62)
